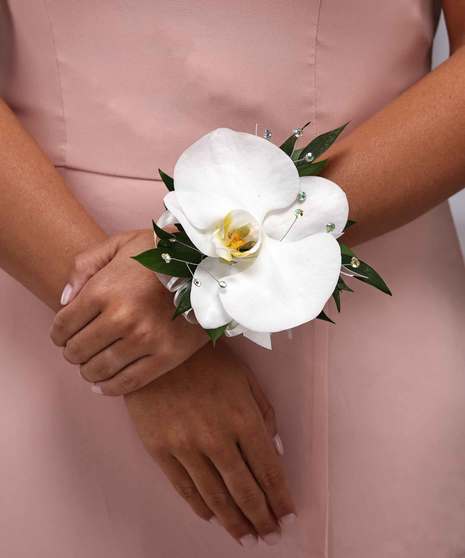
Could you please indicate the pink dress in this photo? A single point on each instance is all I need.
(372, 411)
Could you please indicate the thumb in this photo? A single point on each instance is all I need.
(89, 262)
(267, 412)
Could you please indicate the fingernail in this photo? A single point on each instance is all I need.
(278, 444)
(96, 389)
(248, 541)
(272, 538)
(287, 519)
(66, 294)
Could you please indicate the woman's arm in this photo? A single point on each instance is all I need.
(42, 226)
(410, 156)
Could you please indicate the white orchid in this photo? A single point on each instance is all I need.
(269, 235)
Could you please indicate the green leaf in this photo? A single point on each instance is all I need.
(216, 333)
(183, 251)
(311, 169)
(296, 154)
(289, 144)
(323, 316)
(323, 142)
(160, 232)
(345, 250)
(343, 286)
(184, 303)
(337, 298)
(152, 260)
(167, 180)
(349, 224)
(371, 277)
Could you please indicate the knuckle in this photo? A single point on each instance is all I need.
(79, 263)
(217, 499)
(73, 353)
(249, 498)
(187, 491)
(272, 477)
(129, 383)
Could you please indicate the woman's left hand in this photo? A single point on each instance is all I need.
(117, 319)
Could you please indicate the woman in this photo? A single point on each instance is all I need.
(111, 91)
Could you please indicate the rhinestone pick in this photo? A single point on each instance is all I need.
(298, 132)
(354, 262)
(330, 227)
(299, 212)
(301, 197)
(267, 134)
(166, 257)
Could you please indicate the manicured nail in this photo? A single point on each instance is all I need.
(272, 538)
(66, 294)
(278, 444)
(287, 519)
(248, 541)
(96, 389)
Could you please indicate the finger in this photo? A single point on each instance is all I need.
(131, 378)
(246, 493)
(90, 262)
(112, 360)
(267, 412)
(216, 496)
(184, 486)
(89, 342)
(71, 319)
(259, 452)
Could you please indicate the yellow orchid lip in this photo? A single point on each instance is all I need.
(237, 236)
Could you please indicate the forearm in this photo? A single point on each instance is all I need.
(42, 226)
(407, 158)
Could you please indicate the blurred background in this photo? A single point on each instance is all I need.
(457, 202)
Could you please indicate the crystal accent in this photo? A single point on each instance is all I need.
(301, 197)
(330, 227)
(355, 262)
(166, 257)
(196, 282)
(298, 132)
(267, 134)
(222, 284)
(299, 212)
(172, 240)
(309, 157)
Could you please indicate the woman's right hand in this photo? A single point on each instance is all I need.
(212, 431)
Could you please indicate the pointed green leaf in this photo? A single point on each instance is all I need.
(323, 142)
(167, 180)
(323, 316)
(349, 224)
(343, 286)
(216, 333)
(371, 277)
(180, 250)
(289, 144)
(184, 303)
(152, 260)
(311, 169)
(345, 250)
(160, 232)
(337, 298)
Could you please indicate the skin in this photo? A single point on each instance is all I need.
(424, 137)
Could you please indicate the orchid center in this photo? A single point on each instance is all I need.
(237, 236)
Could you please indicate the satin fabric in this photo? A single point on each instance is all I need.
(371, 412)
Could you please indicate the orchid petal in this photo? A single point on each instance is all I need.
(203, 240)
(226, 170)
(287, 285)
(325, 206)
(205, 299)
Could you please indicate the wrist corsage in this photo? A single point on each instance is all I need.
(250, 240)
